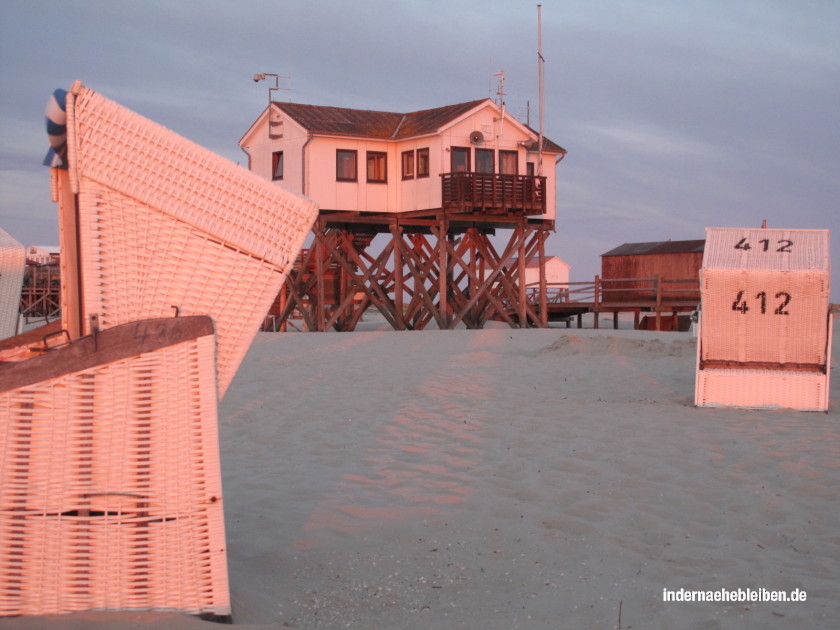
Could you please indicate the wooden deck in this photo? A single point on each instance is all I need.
(663, 300)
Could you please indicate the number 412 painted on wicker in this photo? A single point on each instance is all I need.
(784, 245)
(740, 303)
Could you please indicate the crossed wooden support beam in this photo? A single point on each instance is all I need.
(429, 271)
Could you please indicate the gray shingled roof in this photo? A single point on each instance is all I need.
(658, 247)
(320, 119)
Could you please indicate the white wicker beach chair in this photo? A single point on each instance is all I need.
(12, 266)
(110, 483)
(165, 225)
(765, 329)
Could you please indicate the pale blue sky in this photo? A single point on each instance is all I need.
(676, 115)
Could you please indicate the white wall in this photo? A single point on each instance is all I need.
(310, 164)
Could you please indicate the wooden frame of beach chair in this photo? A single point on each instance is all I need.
(765, 328)
(111, 491)
(12, 266)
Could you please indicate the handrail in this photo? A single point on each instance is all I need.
(655, 292)
(494, 190)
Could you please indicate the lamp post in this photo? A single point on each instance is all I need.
(261, 77)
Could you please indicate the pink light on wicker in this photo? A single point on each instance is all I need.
(165, 224)
(110, 485)
(110, 482)
(764, 334)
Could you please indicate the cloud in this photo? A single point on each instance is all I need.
(676, 115)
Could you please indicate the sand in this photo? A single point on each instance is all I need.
(502, 479)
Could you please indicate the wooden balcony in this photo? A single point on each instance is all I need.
(493, 193)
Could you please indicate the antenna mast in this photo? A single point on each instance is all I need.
(500, 89)
(500, 92)
(541, 79)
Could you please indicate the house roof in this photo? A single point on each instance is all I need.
(535, 263)
(658, 247)
(320, 119)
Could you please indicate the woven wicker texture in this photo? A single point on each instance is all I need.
(765, 304)
(162, 170)
(764, 316)
(763, 249)
(137, 263)
(110, 488)
(804, 391)
(12, 265)
(164, 223)
(765, 296)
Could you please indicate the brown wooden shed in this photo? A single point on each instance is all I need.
(633, 271)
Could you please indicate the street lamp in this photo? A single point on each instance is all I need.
(261, 77)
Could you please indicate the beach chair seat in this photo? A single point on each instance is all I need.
(110, 485)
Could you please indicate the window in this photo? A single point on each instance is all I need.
(277, 165)
(345, 165)
(484, 161)
(408, 165)
(508, 162)
(377, 164)
(529, 167)
(460, 160)
(423, 162)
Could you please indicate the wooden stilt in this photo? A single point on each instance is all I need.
(431, 269)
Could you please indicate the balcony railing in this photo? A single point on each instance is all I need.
(489, 192)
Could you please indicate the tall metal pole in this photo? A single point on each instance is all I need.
(541, 79)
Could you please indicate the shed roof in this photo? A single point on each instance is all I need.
(535, 263)
(658, 247)
(321, 119)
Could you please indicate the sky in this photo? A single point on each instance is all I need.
(676, 116)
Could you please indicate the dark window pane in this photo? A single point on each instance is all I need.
(408, 164)
(345, 165)
(422, 162)
(277, 165)
(377, 167)
(484, 160)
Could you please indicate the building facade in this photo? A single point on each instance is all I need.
(465, 157)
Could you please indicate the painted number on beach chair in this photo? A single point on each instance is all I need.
(740, 303)
(783, 245)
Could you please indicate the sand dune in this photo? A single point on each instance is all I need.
(502, 479)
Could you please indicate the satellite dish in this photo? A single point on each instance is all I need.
(476, 137)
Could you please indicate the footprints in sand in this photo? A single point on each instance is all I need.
(420, 461)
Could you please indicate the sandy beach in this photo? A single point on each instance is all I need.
(502, 479)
